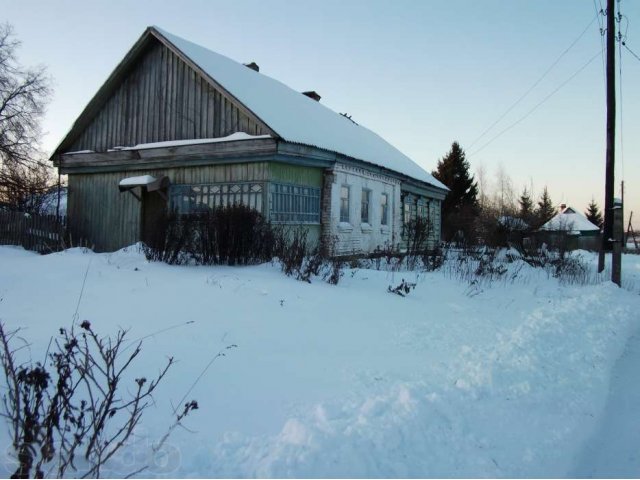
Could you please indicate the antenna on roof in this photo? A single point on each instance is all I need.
(348, 117)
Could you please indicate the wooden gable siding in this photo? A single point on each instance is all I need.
(162, 99)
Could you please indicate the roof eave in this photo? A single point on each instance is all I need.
(332, 155)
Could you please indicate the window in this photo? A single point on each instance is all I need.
(409, 207)
(294, 203)
(409, 210)
(423, 209)
(364, 206)
(384, 209)
(205, 197)
(344, 203)
(416, 213)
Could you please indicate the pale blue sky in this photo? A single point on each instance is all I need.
(419, 73)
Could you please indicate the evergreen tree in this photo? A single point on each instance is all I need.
(460, 207)
(593, 214)
(525, 203)
(545, 210)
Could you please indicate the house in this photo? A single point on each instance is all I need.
(511, 231)
(572, 228)
(187, 129)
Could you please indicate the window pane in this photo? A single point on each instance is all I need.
(294, 204)
(364, 209)
(383, 209)
(186, 199)
(344, 204)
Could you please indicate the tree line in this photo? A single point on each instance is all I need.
(469, 211)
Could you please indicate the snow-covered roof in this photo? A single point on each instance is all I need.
(513, 223)
(146, 182)
(295, 117)
(137, 181)
(78, 152)
(569, 220)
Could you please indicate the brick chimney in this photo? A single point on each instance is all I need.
(253, 66)
(312, 94)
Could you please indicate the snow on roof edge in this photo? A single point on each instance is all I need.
(441, 185)
(136, 181)
(234, 137)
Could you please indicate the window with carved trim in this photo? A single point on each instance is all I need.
(184, 199)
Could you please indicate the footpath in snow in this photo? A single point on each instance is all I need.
(526, 377)
(614, 448)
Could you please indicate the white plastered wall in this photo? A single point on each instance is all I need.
(354, 236)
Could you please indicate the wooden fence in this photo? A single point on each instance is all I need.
(41, 233)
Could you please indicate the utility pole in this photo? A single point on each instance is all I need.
(607, 235)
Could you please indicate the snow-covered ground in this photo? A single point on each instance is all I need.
(525, 377)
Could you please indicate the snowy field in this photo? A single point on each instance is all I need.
(522, 378)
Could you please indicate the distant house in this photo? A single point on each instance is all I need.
(510, 231)
(513, 224)
(573, 228)
(188, 129)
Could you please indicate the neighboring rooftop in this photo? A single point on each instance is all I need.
(295, 117)
(569, 220)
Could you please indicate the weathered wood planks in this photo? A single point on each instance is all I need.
(162, 98)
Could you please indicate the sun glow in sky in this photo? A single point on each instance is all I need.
(419, 73)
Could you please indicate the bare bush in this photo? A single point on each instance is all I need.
(77, 410)
(233, 235)
(292, 248)
(434, 259)
(236, 235)
(403, 289)
(335, 271)
(26, 188)
(417, 234)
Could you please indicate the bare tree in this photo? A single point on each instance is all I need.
(26, 188)
(505, 196)
(24, 94)
(481, 178)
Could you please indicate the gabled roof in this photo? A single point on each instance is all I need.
(291, 115)
(513, 223)
(571, 221)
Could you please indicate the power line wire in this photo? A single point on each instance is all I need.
(624, 44)
(599, 13)
(536, 83)
(621, 39)
(575, 74)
